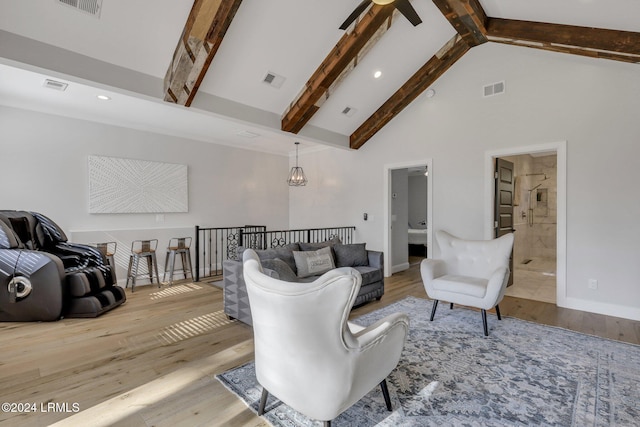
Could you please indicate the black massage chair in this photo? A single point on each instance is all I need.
(44, 277)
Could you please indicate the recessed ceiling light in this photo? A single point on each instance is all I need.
(377, 74)
(430, 93)
(103, 97)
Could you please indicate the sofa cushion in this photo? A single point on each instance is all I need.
(313, 263)
(319, 245)
(369, 274)
(352, 255)
(281, 268)
(285, 253)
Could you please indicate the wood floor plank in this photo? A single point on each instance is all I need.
(153, 361)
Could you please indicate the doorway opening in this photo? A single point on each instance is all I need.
(407, 214)
(535, 226)
(539, 220)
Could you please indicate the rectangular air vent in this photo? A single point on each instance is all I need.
(52, 84)
(493, 89)
(273, 79)
(90, 7)
(349, 111)
(247, 134)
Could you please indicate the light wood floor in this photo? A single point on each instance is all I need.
(152, 361)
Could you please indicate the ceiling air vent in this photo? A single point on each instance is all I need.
(273, 80)
(247, 134)
(90, 7)
(349, 111)
(52, 84)
(493, 89)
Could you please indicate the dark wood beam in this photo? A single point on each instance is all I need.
(585, 41)
(203, 33)
(448, 55)
(467, 17)
(341, 57)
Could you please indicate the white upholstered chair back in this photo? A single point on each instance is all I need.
(306, 353)
(469, 272)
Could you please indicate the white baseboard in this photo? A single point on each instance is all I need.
(625, 312)
(400, 267)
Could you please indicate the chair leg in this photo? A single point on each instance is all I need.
(183, 257)
(263, 401)
(166, 267)
(433, 309)
(189, 262)
(385, 393)
(129, 272)
(136, 264)
(327, 424)
(155, 267)
(172, 265)
(150, 268)
(484, 322)
(451, 306)
(498, 312)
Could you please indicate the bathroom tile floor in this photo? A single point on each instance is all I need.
(535, 280)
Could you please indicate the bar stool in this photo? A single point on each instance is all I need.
(178, 246)
(142, 249)
(108, 250)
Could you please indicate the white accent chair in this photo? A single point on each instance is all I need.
(470, 272)
(306, 352)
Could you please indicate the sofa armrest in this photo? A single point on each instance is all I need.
(376, 259)
(236, 300)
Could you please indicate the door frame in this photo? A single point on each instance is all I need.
(386, 239)
(560, 148)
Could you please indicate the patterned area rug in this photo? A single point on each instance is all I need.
(450, 374)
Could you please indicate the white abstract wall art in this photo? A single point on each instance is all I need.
(136, 186)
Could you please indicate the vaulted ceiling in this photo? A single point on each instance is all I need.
(213, 56)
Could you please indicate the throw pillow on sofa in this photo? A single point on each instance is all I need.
(282, 252)
(318, 245)
(281, 268)
(351, 255)
(313, 263)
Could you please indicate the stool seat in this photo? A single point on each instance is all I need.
(178, 246)
(142, 249)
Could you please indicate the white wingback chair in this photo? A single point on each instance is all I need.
(306, 353)
(470, 272)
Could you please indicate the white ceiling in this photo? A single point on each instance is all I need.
(288, 37)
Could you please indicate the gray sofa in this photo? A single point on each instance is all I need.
(291, 263)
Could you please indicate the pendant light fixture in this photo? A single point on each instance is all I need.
(296, 176)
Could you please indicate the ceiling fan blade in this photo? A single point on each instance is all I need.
(408, 11)
(354, 15)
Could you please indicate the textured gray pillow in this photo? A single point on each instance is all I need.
(313, 263)
(318, 245)
(282, 268)
(285, 253)
(352, 255)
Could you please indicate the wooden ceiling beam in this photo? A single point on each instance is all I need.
(203, 33)
(341, 58)
(467, 17)
(448, 55)
(586, 41)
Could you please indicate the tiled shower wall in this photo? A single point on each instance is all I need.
(535, 209)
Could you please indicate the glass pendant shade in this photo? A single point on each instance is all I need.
(297, 177)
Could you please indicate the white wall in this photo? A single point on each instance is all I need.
(417, 200)
(550, 97)
(44, 169)
(399, 220)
